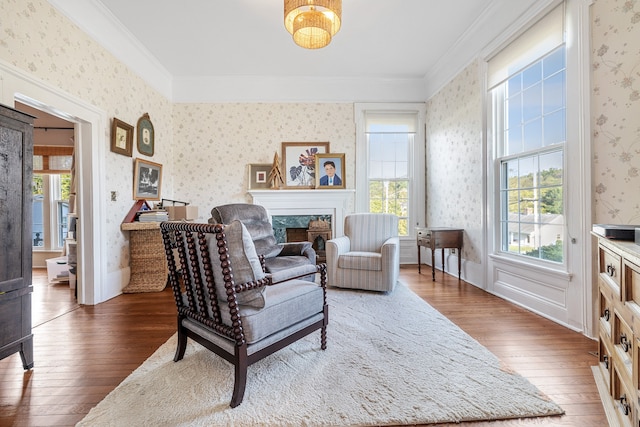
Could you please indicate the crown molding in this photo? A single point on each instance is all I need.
(469, 46)
(296, 89)
(92, 17)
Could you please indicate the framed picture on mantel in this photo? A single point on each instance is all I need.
(299, 163)
(330, 171)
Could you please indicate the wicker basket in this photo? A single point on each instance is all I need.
(148, 260)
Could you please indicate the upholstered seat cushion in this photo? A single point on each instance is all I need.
(286, 304)
(361, 261)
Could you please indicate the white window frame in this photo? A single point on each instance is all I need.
(51, 219)
(417, 172)
(562, 294)
(498, 113)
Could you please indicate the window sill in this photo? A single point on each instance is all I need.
(532, 266)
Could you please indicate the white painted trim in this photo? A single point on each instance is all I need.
(336, 203)
(466, 48)
(100, 24)
(580, 196)
(407, 252)
(90, 147)
(296, 89)
(568, 296)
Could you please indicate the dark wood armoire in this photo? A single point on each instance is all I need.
(16, 170)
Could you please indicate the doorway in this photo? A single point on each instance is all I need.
(53, 266)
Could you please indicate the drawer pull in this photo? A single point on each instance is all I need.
(626, 408)
(607, 314)
(611, 270)
(605, 359)
(624, 342)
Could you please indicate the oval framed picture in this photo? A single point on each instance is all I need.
(145, 135)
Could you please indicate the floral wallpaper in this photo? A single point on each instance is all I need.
(616, 110)
(38, 39)
(215, 143)
(454, 159)
(205, 148)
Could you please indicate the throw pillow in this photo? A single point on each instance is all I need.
(244, 261)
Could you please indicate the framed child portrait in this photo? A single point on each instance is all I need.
(330, 172)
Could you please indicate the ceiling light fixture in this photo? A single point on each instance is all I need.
(312, 23)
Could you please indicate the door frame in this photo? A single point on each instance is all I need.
(90, 145)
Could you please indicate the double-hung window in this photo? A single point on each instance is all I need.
(390, 151)
(528, 104)
(51, 188)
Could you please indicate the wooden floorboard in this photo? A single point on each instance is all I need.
(83, 352)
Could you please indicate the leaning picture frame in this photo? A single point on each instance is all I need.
(259, 176)
(145, 135)
(330, 171)
(147, 180)
(299, 162)
(121, 137)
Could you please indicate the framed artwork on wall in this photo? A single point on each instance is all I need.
(259, 176)
(121, 137)
(299, 162)
(146, 136)
(147, 180)
(330, 171)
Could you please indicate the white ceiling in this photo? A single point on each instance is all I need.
(204, 50)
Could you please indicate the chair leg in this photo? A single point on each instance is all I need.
(323, 338)
(323, 330)
(182, 342)
(240, 376)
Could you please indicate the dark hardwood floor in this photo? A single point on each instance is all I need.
(84, 352)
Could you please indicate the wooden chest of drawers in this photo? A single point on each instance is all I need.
(618, 374)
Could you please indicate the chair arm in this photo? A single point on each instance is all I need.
(294, 248)
(341, 245)
(319, 268)
(243, 287)
(390, 247)
(295, 273)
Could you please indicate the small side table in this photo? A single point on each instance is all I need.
(147, 256)
(440, 238)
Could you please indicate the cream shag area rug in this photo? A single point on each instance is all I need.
(390, 359)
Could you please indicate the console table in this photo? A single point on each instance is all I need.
(440, 238)
(148, 259)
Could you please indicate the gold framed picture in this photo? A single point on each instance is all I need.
(299, 162)
(330, 172)
(147, 180)
(259, 176)
(121, 137)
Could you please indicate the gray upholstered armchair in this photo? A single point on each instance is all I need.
(368, 255)
(229, 305)
(280, 259)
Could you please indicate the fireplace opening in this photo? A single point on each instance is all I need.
(304, 228)
(296, 234)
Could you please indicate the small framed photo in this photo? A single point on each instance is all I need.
(330, 171)
(259, 176)
(121, 137)
(299, 162)
(147, 180)
(146, 135)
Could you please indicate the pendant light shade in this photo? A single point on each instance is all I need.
(312, 23)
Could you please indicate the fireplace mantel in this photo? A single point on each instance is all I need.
(336, 203)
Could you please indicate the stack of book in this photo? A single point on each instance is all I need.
(153, 216)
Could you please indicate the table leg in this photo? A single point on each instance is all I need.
(459, 260)
(433, 264)
(418, 259)
(443, 269)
